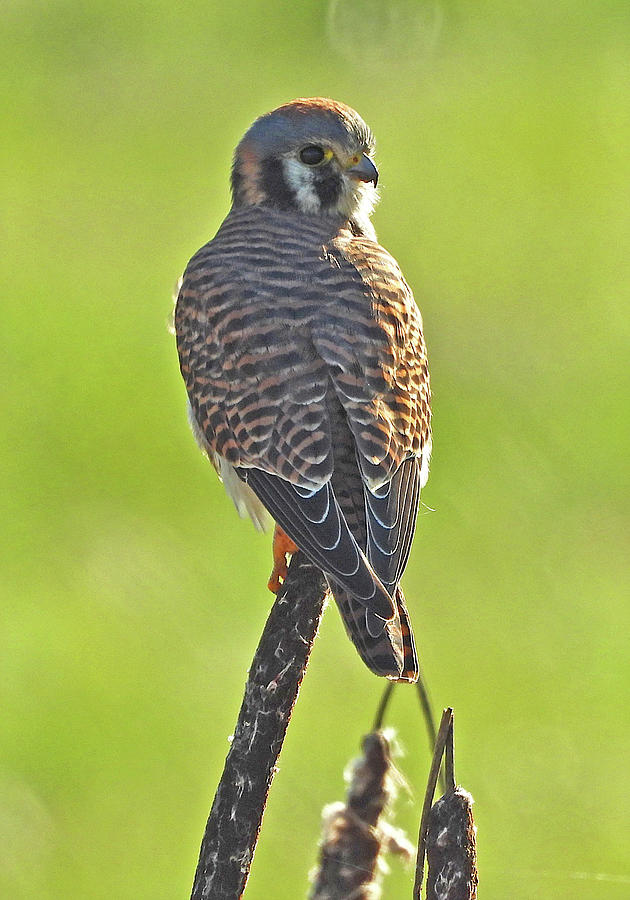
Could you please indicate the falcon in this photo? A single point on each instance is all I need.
(302, 352)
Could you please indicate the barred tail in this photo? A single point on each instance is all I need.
(392, 652)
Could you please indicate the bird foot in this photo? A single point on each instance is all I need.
(282, 544)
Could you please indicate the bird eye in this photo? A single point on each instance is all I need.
(312, 155)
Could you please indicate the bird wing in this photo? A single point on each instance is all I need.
(378, 363)
(271, 313)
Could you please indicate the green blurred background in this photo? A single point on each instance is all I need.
(134, 596)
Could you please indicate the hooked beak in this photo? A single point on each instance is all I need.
(365, 170)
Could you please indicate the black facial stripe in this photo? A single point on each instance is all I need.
(273, 183)
(328, 186)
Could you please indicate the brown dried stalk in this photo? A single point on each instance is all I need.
(271, 690)
(447, 830)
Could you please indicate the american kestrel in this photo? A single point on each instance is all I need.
(306, 370)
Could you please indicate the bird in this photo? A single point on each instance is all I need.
(302, 352)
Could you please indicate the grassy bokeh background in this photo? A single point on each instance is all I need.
(133, 596)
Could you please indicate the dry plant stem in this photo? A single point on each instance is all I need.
(271, 690)
(427, 713)
(449, 765)
(446, 725)
(382, 706)
(429, 720)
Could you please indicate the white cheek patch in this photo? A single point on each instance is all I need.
(300, 180)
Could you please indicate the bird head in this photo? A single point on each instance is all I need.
(311, 156)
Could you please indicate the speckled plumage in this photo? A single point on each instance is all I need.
(302, 352)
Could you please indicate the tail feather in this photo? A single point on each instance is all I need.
(392, 652)
(411, 669)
